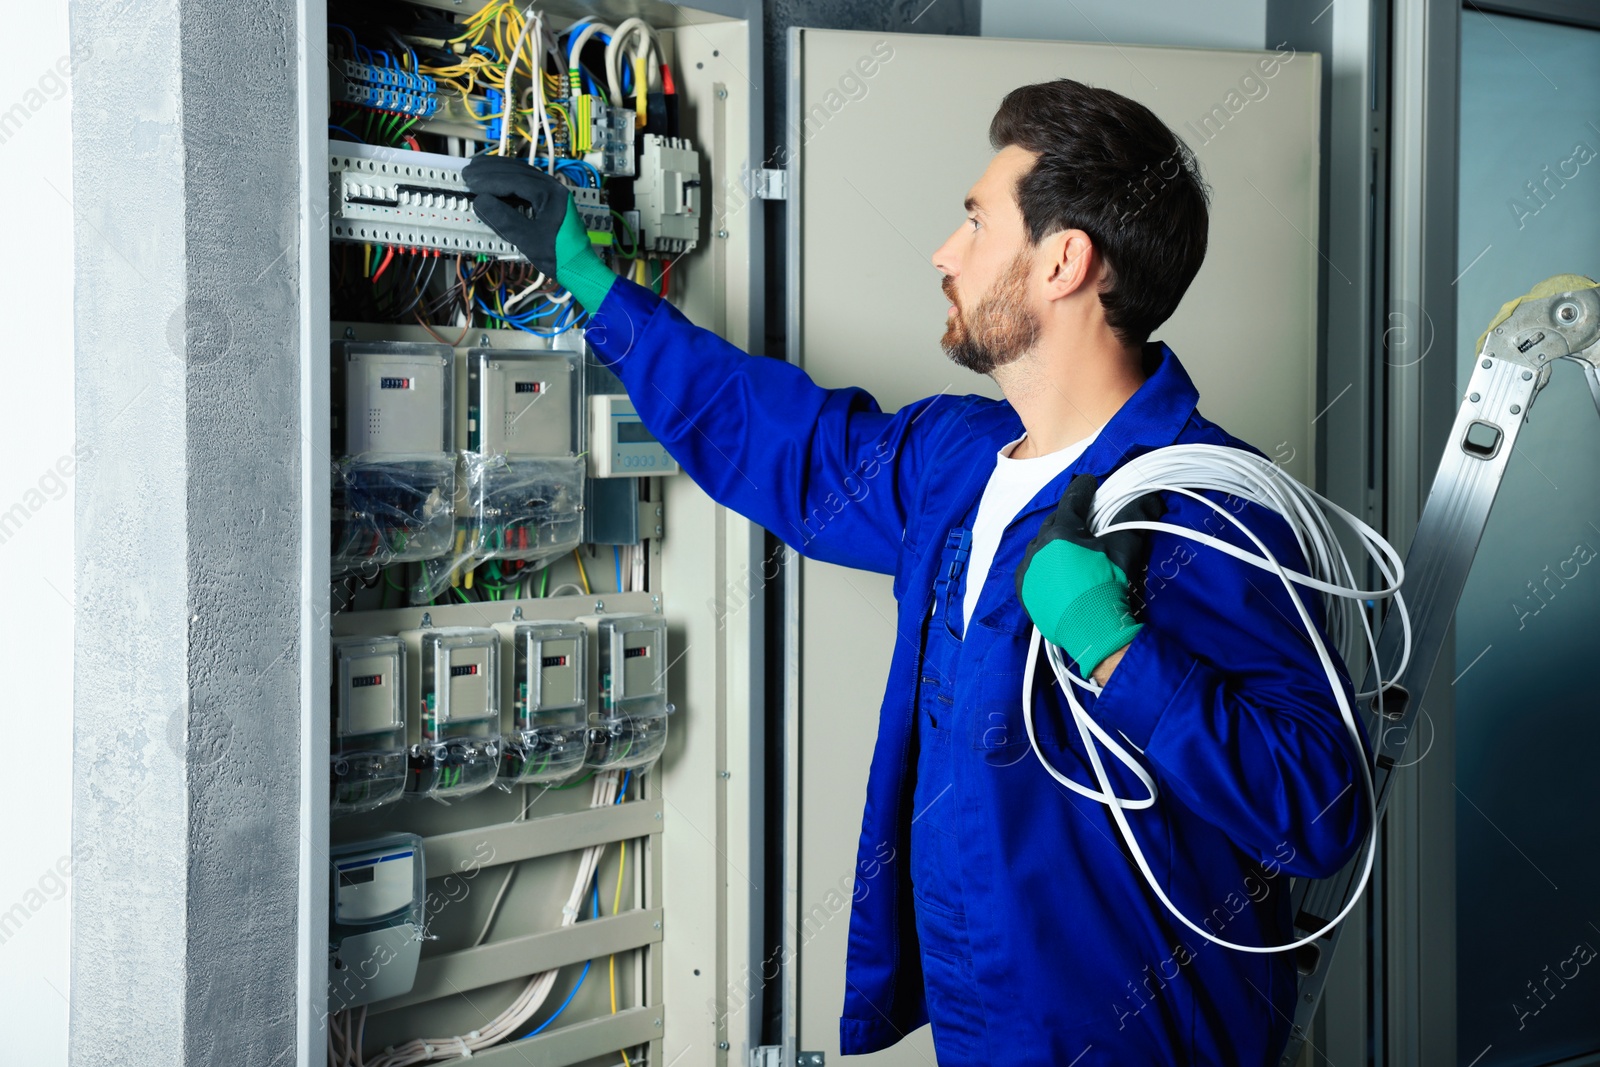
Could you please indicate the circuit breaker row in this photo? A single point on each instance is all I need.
(413, 483)
(445, 712)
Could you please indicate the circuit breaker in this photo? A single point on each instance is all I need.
(368, 749)
(375, 919)
(453, 722)
(628, 728)
(667, 194)
(544, 703)
(394, 475)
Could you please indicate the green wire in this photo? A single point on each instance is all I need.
(463, 596)
(633, 238)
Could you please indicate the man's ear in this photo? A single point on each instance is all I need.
(1073, 261)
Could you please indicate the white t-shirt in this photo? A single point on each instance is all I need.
(1013, 483)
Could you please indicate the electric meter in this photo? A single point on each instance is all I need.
(453, 721)
(629, 727)
(375, 919)
(544, 703)
(368, 751)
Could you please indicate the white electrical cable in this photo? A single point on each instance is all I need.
(649, 47)
(581, 38)
(1188, 470)
(534, 994)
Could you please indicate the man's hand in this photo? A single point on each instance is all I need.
(555, 239)
(1074, 584)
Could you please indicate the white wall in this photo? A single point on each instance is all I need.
(1188, 23)
(36, 508)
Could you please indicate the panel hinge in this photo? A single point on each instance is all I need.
(770, 184)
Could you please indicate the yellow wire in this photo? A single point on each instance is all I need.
(616, 906)
(582, 573)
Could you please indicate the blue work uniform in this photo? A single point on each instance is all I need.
(988, 896)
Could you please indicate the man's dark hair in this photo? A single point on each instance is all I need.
(1109, 167)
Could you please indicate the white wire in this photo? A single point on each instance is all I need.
(647, 48)
(1188, 470)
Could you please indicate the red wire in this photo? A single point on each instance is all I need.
(666, 270)
(667, 85)
(386, 258)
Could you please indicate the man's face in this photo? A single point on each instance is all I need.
(987, 265)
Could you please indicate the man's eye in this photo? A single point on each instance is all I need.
(973, 220)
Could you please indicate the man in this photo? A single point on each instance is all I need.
(1009, 914)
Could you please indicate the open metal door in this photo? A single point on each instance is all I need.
(866, 310)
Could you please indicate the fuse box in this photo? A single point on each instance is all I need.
(375, 919)
(368, 751)
(394, 472)
(544, 703)
(628, 728)
(453, 722)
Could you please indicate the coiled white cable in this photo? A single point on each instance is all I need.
(1189, 470)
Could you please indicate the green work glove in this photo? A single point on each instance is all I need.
(554, 239)
(1074, 584)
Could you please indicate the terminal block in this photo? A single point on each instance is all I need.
(383, 88)
(544, 703)
(368, 751)
(453, 722)
(629, 727)
(667, 194)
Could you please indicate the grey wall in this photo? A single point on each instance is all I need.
(1190, 23)
(187, 681)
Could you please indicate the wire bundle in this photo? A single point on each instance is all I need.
(1189, 470)
(533, 995)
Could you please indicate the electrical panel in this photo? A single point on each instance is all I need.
(369, 723)
(375, 919)
(498, 691)
(453, 723)
(628, 728)
(545, 704)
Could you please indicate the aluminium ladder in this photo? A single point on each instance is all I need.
(1559, 319)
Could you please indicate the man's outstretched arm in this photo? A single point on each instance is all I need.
(826, 470)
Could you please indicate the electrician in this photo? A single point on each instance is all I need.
(989, 900)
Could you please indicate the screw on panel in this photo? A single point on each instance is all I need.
(722, 94)
(657, 924)
(723, 1045)
(722, 234)
(658, 1022)
(658, 816)
(1527, 374)
(484, 340)
(427, 618)
(350, 332)
(1473, 398)
(1516, 409)
(724, 774)
(599, 606)
(516, 613)
(1486, 364)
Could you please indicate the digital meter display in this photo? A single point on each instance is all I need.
(465, 668)
(395, 383)
(530, 387)
(553, 661)
(366, 680)
(633, 433)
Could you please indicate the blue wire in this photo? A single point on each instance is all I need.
(355, 45)
(564, 1003)
(346, 132)
(616, 557)
(622, 790)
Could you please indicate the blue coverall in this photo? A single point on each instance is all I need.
(987, 895)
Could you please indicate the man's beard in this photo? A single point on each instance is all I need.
(1000, 329)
